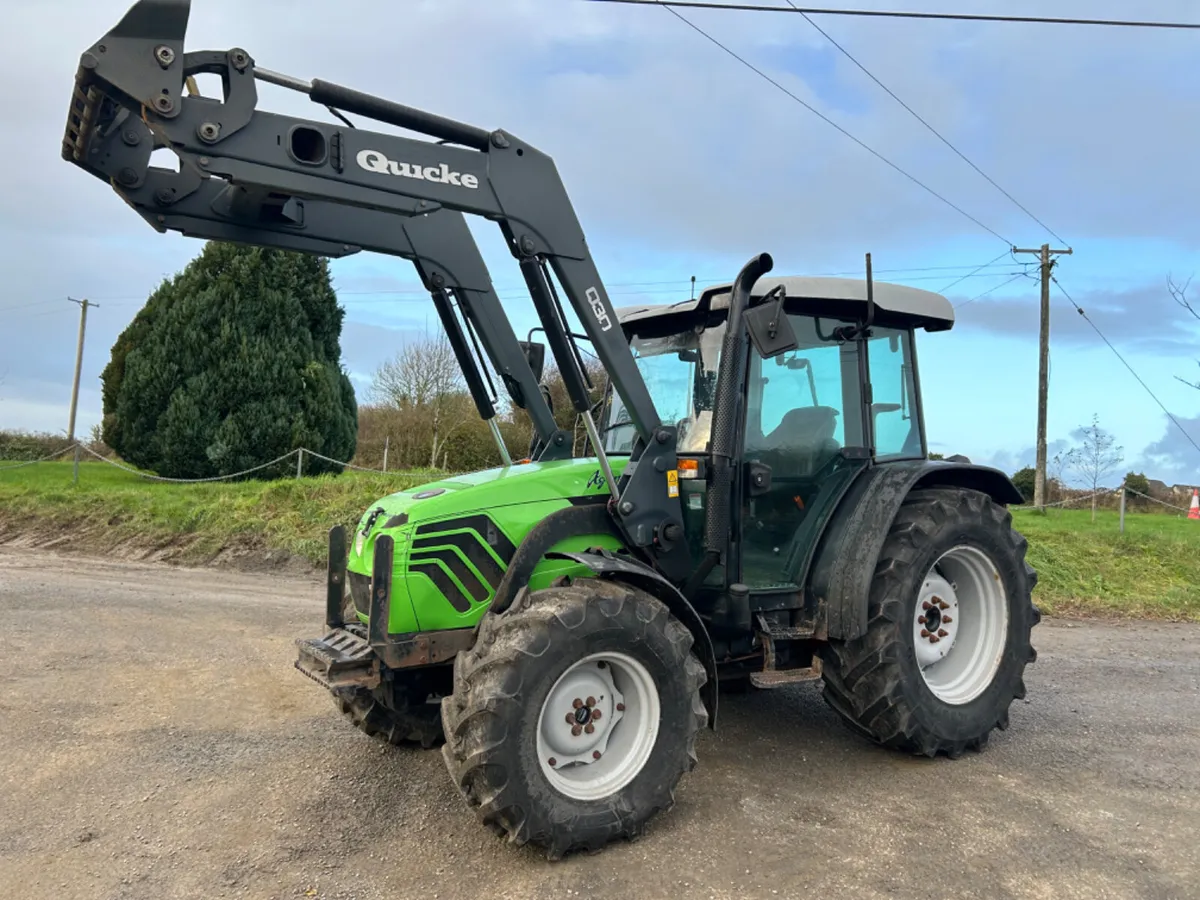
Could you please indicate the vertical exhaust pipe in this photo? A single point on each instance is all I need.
(724, 433)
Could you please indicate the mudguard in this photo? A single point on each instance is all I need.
(843, 565)
(636, 574)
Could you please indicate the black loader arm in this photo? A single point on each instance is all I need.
(439, 244)
(139, 70)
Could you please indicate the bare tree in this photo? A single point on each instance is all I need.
(1055, 467)
(1179, 294)
(1096, 457)
(424, 380)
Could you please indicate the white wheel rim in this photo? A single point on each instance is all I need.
(960, 625)
(623, 717)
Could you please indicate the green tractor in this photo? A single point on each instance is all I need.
(757, 509)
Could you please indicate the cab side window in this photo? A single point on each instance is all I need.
(893, 410)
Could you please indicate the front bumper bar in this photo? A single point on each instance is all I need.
(351, 656)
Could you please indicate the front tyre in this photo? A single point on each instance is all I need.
(948, 636)
(404, 710)
(574, 715)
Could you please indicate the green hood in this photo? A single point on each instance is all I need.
(528, 483)
(454, 537)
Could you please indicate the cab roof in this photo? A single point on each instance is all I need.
(919, 307)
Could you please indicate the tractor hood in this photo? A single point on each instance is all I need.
(491, 488)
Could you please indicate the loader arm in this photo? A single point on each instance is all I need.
(439, 244)
(138, 70)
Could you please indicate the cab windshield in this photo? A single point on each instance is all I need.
(680, 371)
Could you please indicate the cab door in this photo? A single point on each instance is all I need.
(803, 441)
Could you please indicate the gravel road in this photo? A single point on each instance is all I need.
(155, 742)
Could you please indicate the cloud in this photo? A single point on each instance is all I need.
(1145, 319)
(1173, 458)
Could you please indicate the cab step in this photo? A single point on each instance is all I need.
(773, 678)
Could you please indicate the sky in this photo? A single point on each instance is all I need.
(681, 162)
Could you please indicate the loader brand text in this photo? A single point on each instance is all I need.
(598, 310)
(374, 161)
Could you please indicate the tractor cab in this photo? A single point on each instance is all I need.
(846, 396)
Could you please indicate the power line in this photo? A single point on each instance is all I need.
(973, 271)
(1153, 396)
(898, 14)
(990, 290)
(827, 120)
(920, 119)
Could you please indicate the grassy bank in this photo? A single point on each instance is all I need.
(1085, 568)
(109, 509)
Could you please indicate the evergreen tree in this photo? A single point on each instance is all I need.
(1024, 480)
(233, 362)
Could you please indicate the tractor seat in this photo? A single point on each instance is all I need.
(803, 440)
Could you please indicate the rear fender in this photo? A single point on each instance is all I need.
(843, 565)
(639, 575)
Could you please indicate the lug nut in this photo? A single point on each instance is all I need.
(570, 719)
(924, 632)
(589, 728)
(933, 639)
(595, 754)
(595, 715)
(921, 619)
(947, 619)
(591, 701)
(576, 703)
(925, 604)
(943, 604)
(576, 730)
(942, 632)
(620, 707)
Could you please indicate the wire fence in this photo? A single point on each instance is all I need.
(299, 453)
(1121, 494)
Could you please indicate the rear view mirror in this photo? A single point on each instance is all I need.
(770, 330)
(535, 355)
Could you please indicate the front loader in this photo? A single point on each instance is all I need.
(758, 508)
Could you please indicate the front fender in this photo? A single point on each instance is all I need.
(641, 576)
(843, 565)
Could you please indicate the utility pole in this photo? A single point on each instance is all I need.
(1039, 480)
(83, 308)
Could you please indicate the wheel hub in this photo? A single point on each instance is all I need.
(598, 725)
(588, 707)
(936, 625)
(960, 625)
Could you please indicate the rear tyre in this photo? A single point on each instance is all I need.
(949, 618)
(574, 715)
(404, 710)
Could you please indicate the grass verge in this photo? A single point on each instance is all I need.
(1084, 567)
(1090, 568)
(110, 510)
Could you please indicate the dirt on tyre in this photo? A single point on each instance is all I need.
(404, 710)
(950, 614)
(574, 715)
